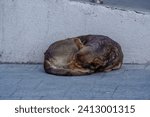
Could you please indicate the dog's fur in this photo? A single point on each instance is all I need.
(83, 55)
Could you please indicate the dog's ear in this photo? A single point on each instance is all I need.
(78, 43)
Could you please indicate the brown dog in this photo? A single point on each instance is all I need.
(83, 55)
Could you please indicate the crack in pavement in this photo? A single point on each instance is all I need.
(114, 91)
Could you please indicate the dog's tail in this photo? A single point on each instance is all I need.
(50, 69)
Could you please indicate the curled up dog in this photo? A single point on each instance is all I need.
(83, 55)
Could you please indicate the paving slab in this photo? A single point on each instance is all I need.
(30, 82)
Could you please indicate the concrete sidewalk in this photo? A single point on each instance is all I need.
(22, 81)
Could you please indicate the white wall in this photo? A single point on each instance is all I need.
(28, 27)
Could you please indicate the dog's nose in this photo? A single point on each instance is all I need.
(92, 67)
(86, 66)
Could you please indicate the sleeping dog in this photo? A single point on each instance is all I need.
(83, 55)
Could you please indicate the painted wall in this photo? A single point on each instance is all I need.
(28, 27)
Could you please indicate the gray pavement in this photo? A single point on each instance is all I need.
(24, 81)
(137, 5)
